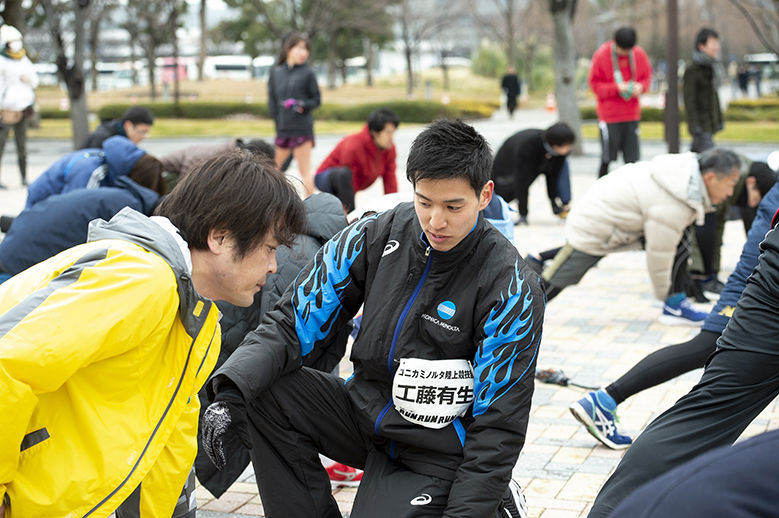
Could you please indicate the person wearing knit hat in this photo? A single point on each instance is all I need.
(18, 81)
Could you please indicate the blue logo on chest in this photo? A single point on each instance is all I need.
(446, 309)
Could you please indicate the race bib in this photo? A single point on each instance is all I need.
(432, 393)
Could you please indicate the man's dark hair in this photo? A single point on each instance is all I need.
(450, 149)
(138, 115)
(380, 118)
(258, 147)
(764, 176)
(703, 36)
(241, 193)
(560, 134)
(147, 171)
(625, 38)
(718, 160)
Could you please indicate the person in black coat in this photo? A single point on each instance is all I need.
(292, 94)
(511, 88)
(60, 222)
(529, 153)
(325, 219)
(135, 124)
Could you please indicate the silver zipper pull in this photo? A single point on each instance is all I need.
(427, 251)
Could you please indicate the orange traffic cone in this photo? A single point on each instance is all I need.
(551, 103)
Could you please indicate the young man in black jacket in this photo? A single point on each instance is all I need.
(528, 154)
(135, 124)
(437, 409)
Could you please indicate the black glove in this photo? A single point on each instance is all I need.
(228, 409)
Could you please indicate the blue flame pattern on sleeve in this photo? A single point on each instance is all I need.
(508, 332)
(318, 290)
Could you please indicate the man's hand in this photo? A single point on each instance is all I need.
(228, 409)
(622, 87)
(2, 511)
(638, 89)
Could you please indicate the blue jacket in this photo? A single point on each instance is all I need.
(722, 311)
(86, 168)
(60, 222)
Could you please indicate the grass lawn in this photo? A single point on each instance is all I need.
(61, 128)
(734, 131)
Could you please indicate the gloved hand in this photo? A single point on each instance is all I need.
(228, 409)
(290, 103)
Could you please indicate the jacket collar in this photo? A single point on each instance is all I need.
(131, 226)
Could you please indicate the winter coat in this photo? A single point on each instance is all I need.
(103, 349)
(701, 100)
(86, 168)
(61, 221)
(299, 83)
(611, 106)
(325, 219)
(520, 160)
(181, 161)
(106, 130)
(478, 301)
(367, 162)
(17, 94)
(720, 315)
(645, 202)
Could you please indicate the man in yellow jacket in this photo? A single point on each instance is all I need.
(103, 347)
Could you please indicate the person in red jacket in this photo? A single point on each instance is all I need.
(359, 159)
(619, 74)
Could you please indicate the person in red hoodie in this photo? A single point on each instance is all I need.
(619, 74)
(359, 159)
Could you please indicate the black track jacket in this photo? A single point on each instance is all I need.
(493, 310)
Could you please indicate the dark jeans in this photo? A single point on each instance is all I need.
(337, 181)
(701, 142)
(20, 134)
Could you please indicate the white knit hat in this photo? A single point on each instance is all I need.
(9, 33)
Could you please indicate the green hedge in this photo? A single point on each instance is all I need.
(54, 113)
(648, 114)
(408, 111)
(753, 110)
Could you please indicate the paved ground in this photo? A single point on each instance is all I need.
(594, 332)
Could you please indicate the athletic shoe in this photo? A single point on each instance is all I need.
(712, 286)
(682, 314)
(522, 220)
(601, 423)
(514, 504)
(342, 475)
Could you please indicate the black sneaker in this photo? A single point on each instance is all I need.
(522, 221)
(514, 504)
(713, 286)
(700, 297)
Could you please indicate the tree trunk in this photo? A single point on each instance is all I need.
(445, 70)
(94, 38)
(369, 62)
(331, 57)
(201, 61)
(79, 113)
(510, 45)
(13, 14)
(174, 22)
(151, 58)
(530, 55)
(410, 74)
(133, 58)
(565, 67)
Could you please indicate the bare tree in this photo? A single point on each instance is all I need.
(565, 66)
(71, 71)
(201, 60)
(99, 12)
(763, 17)
(419, 21)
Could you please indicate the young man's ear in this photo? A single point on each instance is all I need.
(127, 125)
(218, 240)
(486, 194)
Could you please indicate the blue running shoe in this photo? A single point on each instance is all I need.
(601, 423)
(682, 314)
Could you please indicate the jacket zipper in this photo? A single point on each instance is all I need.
(157, 427)
(406, 309)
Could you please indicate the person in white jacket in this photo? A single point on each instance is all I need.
(647, 205)
(18, 82)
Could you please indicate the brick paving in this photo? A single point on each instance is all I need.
(594, 332)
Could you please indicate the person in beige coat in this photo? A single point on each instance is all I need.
(647, 205)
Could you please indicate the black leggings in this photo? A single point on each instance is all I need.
(663, 365)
